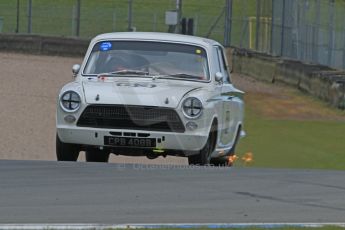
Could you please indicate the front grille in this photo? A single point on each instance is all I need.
(131, 117)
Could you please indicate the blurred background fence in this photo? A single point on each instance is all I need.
(87, 18)
(307, 30)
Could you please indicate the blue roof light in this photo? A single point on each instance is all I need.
(105, 46)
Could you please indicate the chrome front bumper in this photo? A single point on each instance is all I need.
(165, 140)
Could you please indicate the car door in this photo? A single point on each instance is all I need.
(229, 101)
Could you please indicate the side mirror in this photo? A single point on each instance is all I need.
(219, 77)
(75, 69)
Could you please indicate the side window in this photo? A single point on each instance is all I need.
(223, 65)
(218, 65)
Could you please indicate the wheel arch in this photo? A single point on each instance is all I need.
(214, 131)
(239, 127)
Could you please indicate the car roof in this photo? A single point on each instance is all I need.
(155, 36)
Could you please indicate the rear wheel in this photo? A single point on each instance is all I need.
(224, 161)
(96, 155)
(232, 151)
(221, 161)
(66, 151)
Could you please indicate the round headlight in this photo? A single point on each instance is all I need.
(70, 101)
(192, 107)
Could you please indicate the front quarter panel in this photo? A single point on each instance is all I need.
(211, 108)
(60, 113)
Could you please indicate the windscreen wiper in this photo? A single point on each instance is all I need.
(125, 72)
(177, 75)
(130, 71)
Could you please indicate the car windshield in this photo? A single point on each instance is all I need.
(148, 59)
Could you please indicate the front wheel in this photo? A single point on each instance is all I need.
(203, 158)
(66, 151)
(96, 155)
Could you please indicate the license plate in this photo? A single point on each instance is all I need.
(130, 142)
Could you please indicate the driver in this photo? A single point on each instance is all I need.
(127, 62)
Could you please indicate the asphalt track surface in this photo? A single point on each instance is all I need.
(62, 192)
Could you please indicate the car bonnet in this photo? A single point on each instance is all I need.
(147, 93)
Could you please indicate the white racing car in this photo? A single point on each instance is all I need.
(150, 94)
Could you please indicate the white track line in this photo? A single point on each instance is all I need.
(153, 226)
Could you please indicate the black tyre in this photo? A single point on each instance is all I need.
(220, 161)
(66, 151)
(96, 155)
(203, 158)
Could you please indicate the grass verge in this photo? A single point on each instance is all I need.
(290, 130)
